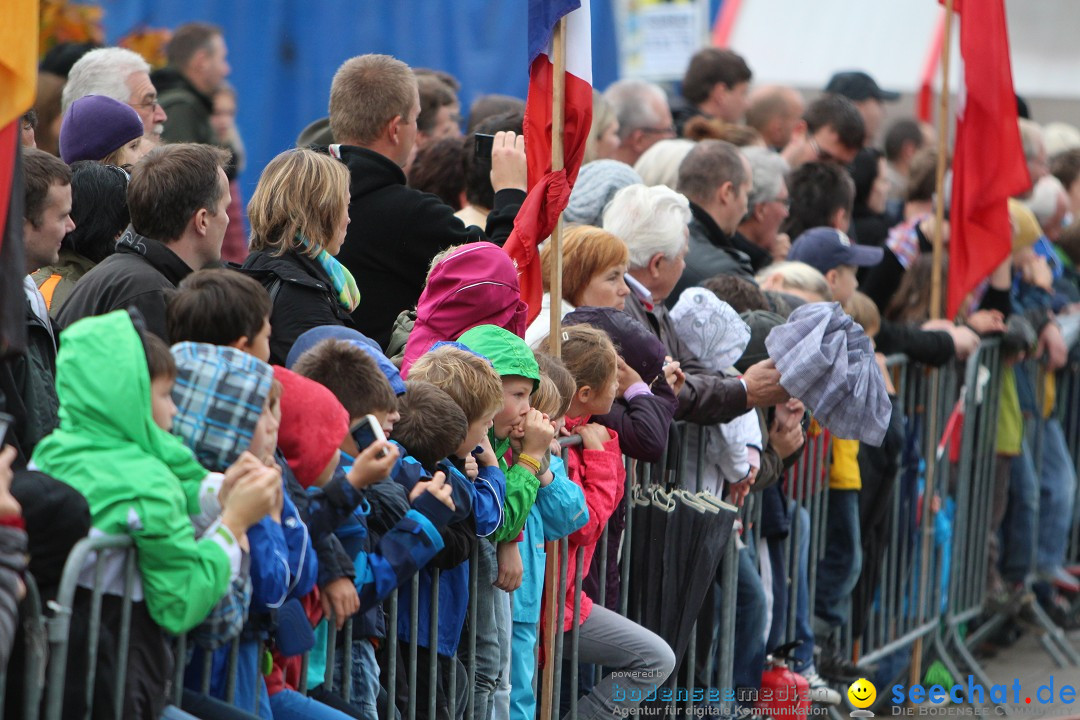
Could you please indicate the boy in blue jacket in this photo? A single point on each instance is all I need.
(432, 427)
(228, 402)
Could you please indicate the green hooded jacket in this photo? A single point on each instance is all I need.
(137, 478)
(510, 356)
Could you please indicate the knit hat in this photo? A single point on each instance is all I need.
(761, 323)
(313, 424)
(596, 184)
(96, 125)
(314, 336)
(220, 393)
(710, 328)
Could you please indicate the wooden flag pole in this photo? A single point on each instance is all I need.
(553, 603)
(915, 674)
(942, 156)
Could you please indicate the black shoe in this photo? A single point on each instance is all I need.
(841, 670)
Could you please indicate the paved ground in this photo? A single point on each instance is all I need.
(1028, 663)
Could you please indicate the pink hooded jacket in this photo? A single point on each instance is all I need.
(477, 284)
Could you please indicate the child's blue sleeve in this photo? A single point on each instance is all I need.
(561, 504)
(409, 546)
(270, 575)
(303, 565)
(490, 485)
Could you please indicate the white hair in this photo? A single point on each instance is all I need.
(1031, 137)
(649, 220)
(659, 165)
(103, 72)
(630, 101)
(794, 275)
(769, 170)
(1059, 137)
(1044, 198)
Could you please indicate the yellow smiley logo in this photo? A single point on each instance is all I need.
(862, 693)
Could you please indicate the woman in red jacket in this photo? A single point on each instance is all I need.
(642, 660)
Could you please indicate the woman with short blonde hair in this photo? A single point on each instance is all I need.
(299, 214)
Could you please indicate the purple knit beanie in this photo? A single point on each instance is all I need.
(94, 126)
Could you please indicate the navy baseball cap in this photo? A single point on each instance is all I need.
(857, 85)
(825, 248)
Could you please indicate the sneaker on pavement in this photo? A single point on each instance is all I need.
(820, 692)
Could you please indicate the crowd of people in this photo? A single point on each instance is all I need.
(293, 424)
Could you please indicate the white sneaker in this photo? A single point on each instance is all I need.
(820, 692)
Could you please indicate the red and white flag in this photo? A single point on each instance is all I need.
(549, 192)
(988, 161)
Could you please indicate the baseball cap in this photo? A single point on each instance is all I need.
(857, 85)
(825, 248)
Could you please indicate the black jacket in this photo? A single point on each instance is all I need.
(142, 273)
(394, 234)
(188, 109)
(711, 253)
(28, 389)
(303, 298)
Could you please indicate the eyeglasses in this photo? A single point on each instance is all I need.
(786, 202)
(669, 130)
(152, 105)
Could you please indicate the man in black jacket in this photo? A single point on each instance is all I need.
(716, 178)
(395, 231)
(178, 198)
(196, 70)
(27, 378)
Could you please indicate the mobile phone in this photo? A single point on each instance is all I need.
(368, 431)
(5, 423)
(483, 146)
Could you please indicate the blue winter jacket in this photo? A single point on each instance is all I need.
(559, 510)
(406, 548)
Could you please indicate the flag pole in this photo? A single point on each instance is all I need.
(942, 155)
(915, 673)
(552, 603)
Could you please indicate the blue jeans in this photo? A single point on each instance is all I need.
(1057, 490)
(488, 645)
(1018, 530)
(501, 708)
(838, 571)
(803, 655)
(365, 678)
(749, 625)
(291, 705)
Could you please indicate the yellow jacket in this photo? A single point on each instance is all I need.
(844, 471)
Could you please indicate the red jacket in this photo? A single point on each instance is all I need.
(602, 476)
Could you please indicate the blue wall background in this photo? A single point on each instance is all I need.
(284, 52)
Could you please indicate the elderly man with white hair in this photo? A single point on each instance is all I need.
(122, 75)
(759, 233)
(653, 221)
(644, 117)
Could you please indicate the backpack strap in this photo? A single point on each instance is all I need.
(48, 288)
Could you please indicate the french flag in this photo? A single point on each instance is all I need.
(549, 191)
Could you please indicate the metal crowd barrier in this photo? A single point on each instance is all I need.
(923, 592)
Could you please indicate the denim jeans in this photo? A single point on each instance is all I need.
(291, 705)
(749, 625)
(488, 644)
(838, 570)
(365, 678)
(803, 655)
(1018, 530)
(501, 708)
(1057, 490)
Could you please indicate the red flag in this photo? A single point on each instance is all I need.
(988, 162)
(549, 192)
